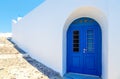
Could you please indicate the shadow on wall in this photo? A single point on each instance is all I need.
(39, 66)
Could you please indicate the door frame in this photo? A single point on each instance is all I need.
(101, 17)
(99, 50)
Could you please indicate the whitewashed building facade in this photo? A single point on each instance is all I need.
(79, 36)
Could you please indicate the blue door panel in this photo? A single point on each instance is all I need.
(90, 65)
(90, 62)
(76, 61)
(84, 41)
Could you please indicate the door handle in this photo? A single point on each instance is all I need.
(84, 50)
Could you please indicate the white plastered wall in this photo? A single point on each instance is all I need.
(114, 39)
(42, 31)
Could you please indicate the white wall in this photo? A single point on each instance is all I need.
(42, 31)
(5, 34)
(114, 39)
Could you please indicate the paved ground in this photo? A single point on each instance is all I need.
(14, 66)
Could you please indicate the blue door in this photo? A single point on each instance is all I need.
(84, 41)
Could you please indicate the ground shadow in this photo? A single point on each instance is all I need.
(41, 67)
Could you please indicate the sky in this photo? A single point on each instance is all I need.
(12, 9)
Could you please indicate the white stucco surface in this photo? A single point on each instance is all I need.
(114, 40)
(42, 32)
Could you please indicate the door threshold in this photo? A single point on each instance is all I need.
(80, 76)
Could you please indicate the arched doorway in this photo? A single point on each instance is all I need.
(84, 47)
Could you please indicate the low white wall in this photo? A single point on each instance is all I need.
(5, 34)
(41, 31)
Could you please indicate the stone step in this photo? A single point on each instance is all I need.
(79, 76)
